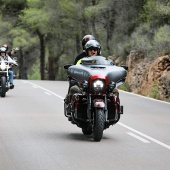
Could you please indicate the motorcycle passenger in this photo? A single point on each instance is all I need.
(5, 57)
(85, 39)
(13, 51)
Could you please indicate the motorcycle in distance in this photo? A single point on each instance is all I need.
(4, 76)
(98, 105)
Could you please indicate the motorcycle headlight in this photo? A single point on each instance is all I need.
(98, 85)
(3, 66)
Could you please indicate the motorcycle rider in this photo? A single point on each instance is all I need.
(92, 48)
(10, 53)
(85, 39)
(5, 57)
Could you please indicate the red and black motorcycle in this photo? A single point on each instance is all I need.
(97, 106)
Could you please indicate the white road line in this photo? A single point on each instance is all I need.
(47, 93)
(145, 97)
(35, 87)
(138, 137)
(44, 89)
(121, 124)
(146, 136)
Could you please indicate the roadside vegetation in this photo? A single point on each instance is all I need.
(49, 32)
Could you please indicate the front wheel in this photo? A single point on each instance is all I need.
(87, 130)
(3, 86)
(99, 120)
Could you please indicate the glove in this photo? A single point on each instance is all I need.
(16, 49)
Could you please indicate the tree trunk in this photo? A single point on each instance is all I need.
(78, 48)
(94, 21)
(85, 26)
(22, 66)
(109, 27)
(42, 55)
(57, 58)
(51, 68)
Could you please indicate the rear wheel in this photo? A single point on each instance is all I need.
(3, 86)
(99, 120)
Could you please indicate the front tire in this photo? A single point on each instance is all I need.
(99, 120)
(87, 130)
(3, 86)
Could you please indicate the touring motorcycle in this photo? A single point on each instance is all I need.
(98, 105)
(4, 75)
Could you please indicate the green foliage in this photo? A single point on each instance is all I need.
(154, 92)
(156, 12)
(141, 38)
(163, 34)
(34, 73)
(119, 26)
(162, 40)
(62, 73)
(35, 18)
(35, 3)
(22, 38)
(125, 87)
(4, 26)
(68, 6)
(151, 41)
(91, 11)
(11, 8)
(122, 49)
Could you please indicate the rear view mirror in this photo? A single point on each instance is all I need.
(125, 67)
(67, 66)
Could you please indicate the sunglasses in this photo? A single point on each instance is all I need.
(93, 49)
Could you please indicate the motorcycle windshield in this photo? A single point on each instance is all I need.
(95, 60)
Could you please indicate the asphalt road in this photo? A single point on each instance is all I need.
(35, 134)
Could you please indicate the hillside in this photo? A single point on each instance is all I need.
(149, 77)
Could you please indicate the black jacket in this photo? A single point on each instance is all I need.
(80, 56)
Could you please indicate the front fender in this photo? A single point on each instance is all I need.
(99, 103)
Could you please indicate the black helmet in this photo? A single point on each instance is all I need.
(5, 46)
(93, 44)
(86, 38)
(3, 50)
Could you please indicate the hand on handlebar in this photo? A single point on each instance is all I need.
(16, 49)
